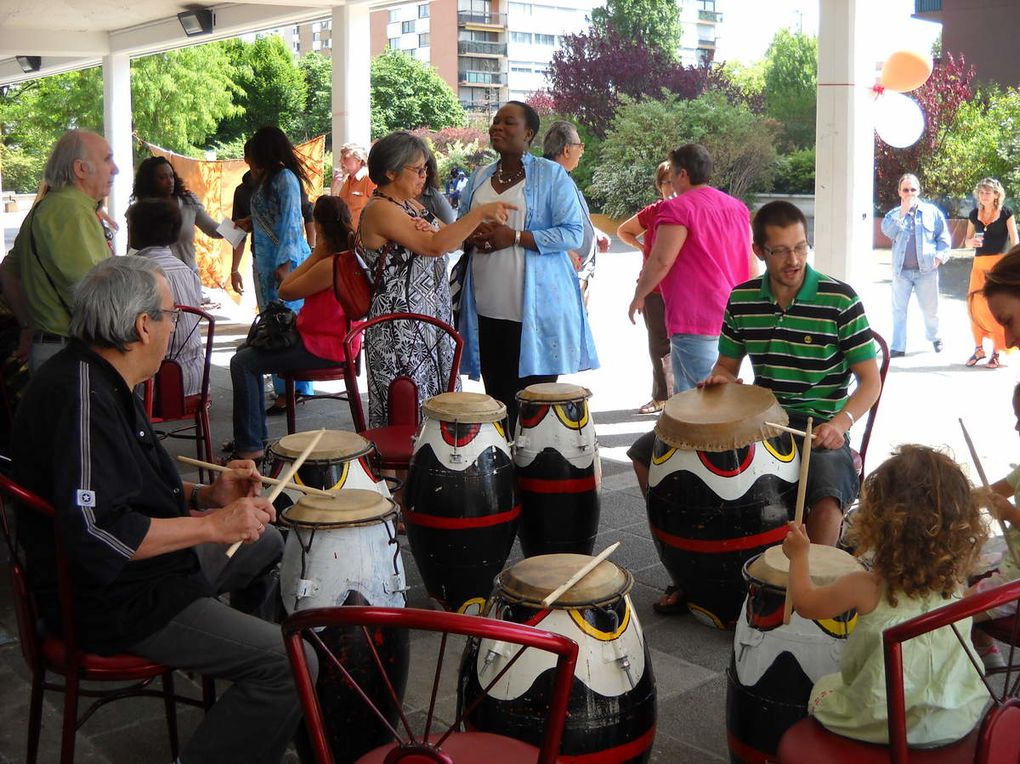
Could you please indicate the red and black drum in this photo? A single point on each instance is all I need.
(558, 470)
(344, 551)
(611, 716)
(774, 666)
(721, 487)
(461, 509)
(340, 460)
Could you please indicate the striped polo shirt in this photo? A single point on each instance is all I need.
(802, 354)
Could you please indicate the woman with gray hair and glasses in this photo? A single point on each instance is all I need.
(404, 247)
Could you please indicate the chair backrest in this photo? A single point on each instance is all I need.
(304, 625)
(894, 637)
(999, 739)
(351, 372)
(869, 419)
(164, 397)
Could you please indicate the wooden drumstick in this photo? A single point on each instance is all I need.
(287, 476)
(267, 480)
(784, 428)
(798, 517)
(984, 482)
(587, 568)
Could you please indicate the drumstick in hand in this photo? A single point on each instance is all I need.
(984, 482)
(267, 480)
(587, 568)
(774, 426)
(286, 478)
(798, 517)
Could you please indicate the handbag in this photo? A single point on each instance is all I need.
(275, 328)
(351, 284)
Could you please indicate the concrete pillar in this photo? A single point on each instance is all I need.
(845, 148)
(117, 126)
(352, 56)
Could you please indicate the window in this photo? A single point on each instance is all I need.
(525, 9)
(545, 39)
(393, 43)
(475, 36)
(522, 37)
(521, 69)
(327, 43)
(423, 11)
(315, 36)
(394, 15)
(407, 27)
(424, 40)
(316, 45)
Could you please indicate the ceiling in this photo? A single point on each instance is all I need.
(71, 34)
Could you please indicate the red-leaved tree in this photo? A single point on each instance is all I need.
(940, 98)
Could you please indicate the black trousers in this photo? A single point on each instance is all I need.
(499, 351)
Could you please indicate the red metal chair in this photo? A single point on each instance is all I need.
(394, 441)
(869, 423)
(165, 400)
(995, 741)
(450, 746)
(62, 656)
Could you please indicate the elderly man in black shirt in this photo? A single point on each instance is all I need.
(147, 550)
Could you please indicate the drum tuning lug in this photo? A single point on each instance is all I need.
(394, 585)
(456, 458)
(306, 588)
(624, 663)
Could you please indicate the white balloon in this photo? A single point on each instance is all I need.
(899, 119)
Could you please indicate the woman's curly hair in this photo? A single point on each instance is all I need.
(920, 521)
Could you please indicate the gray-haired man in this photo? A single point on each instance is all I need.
(148, 551)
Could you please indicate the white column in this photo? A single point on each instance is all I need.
(117, 126)
(845, 149)
(352, 55)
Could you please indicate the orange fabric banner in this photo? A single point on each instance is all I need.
(213, 182)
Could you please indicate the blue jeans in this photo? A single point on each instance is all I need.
(692, 357)
(246, 370)
(926, 285)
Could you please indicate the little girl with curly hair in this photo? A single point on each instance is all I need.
(920, 526)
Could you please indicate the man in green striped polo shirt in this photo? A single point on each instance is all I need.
(806, 334)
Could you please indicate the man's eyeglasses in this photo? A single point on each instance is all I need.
(910, 190)
(579, 144)
(800, 250)
(421, 172)
(173, 313)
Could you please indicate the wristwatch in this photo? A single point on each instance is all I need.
(195, 502)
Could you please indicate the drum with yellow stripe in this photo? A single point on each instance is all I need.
(611, 716)
(339, 460)
(721, 487)
(462, 512)
(558, 470)
(774, 666)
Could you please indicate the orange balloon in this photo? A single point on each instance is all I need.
(905, 70)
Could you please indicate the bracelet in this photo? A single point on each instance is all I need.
(517, 238)
(195, 502)
(237, 272)
(850, 416)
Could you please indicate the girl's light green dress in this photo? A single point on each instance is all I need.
(944, 694)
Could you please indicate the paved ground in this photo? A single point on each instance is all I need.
(924, 395)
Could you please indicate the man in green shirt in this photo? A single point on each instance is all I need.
(60, 240)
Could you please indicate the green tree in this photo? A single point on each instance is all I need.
(643, 133)
(317, 118)
(791, 82)
(408, 94)
(656, 22)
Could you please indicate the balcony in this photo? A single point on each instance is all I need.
(480, 18)
(715, 16)
(481, 48)
(927, 6)
(485, 79)
(706, 42)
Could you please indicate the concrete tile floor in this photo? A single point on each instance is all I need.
(924, 395)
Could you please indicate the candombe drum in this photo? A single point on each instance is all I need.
(344, 551)
(774, 666)
(340, 460)
(721, 487)
(461, 512)
(611, 714)
(558, 470)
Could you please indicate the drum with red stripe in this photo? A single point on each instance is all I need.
(611, 716)
(339, 460)
(774, 666)
(343, 550)
(721, 487)
(462, 512)
(558, 470)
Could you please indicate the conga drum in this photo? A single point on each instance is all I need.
(340, 460)
(774, 666)
(558, 470)
(611, 715)
(461, 509)
(344, 551)
(721, 487)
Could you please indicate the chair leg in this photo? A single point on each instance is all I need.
(208, 692)
(35, 715)
(291, 405)
(70, 729)
(203, 439)
(171, 713)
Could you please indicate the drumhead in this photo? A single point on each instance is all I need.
(553, 392)
(827, 564)
(470, 408)
(533, 579)
(335, 444)
(719, 417)
(353, 506)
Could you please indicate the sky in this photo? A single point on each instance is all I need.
(749, 25)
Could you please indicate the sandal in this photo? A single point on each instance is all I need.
(652, 407)
(979, 353)
(672, 602)
(234, 456)
(994, 362)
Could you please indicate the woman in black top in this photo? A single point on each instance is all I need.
(991, 231)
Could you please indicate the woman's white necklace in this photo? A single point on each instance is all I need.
(508, 180)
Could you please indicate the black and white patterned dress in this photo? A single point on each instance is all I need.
(410, 283)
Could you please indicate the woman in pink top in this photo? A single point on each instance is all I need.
(321, 326)
(639, 232)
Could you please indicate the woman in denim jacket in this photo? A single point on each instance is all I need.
(921, 243)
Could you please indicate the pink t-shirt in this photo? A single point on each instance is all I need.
(647, 220)
(715, 258)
